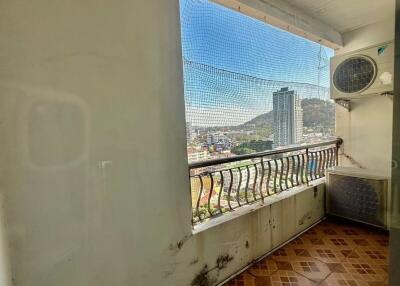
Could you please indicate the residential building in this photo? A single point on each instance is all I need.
(197, 154)
(190, 133)
(288, 117)
(217, 138)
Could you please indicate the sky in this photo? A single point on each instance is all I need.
(233, 63)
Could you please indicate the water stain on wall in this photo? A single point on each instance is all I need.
(203, 278)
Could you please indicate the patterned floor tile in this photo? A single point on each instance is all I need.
(234, 282)
(265, 267)
(289, 278)
(290, 253)
(315, 232)
(244, 279)
(365, 272)
(328, 254)
(336, 267)
(331, 254)
(366, 264)
(327, 228)
(368, 255)
(348, 229)
(311, 268)
(346, 279)
(327, 224)
(311, 241)
(380, 243)
(299, 242)
(339, 241)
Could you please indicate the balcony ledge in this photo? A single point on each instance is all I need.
(226, 217)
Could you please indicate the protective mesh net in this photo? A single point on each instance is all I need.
(232, 66)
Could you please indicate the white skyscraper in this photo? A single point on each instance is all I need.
(190, 134)
(288, 117)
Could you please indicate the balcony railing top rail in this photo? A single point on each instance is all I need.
(223, 185)
(200, 164)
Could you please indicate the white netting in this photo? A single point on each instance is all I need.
(234, 63)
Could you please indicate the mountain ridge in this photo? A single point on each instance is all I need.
(316, 112)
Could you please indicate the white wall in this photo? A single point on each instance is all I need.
(93, 166)
(367, 129)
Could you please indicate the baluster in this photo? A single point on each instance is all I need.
(281, 175)
(307, 169)
(323, 162)
(262, 178)
(292, 174)
(331, 155)
(302, 169)
(239, 185)
(298, 170)
(221, 190)
(268, 177)
(328, 158)
(275, 175)
(230, 189)
(247, 184)
(314, 161)
(199, 198)
(319, 153)
(255, 181)
(337, 154)
(210, 194)
(287, 173)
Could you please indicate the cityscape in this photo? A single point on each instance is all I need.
(292, 121)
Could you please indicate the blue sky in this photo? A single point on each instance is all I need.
(239, 61)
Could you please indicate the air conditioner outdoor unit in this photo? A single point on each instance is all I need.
(358, 195)
(364, 72)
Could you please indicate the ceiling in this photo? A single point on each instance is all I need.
(346, 15)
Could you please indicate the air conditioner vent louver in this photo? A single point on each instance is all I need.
(362, 194)
(354, 74)
(357, 197)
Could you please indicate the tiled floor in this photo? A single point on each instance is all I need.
(332, 253)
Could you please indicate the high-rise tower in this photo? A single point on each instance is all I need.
(288, 117)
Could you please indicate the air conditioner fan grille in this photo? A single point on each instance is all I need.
(355, 74)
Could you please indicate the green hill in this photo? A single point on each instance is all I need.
(265, 119)
(318, 113)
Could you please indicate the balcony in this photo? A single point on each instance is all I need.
(281, 194)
